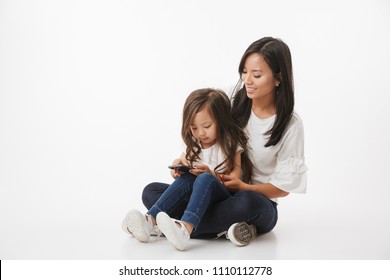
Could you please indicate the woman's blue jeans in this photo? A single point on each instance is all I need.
(210, 207)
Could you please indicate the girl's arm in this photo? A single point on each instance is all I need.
(181, 160)
(235, 173)
(267, 190)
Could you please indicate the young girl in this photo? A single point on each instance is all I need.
(215, 146)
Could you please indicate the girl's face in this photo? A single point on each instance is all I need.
(258, 78)
(204, 128)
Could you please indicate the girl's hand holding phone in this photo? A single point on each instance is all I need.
(179, 169)
(200, 168)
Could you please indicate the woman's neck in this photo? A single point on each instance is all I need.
(263, 108)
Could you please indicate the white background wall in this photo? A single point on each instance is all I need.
(91, 94)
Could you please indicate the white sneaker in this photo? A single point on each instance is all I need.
(177, 236)
(241, 234)
(139, 226)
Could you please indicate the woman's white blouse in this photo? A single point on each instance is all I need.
(282, 165)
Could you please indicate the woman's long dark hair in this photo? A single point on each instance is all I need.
(229, 133)
(278, 57)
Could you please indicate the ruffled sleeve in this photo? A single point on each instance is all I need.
(290, 175)
(290, 170)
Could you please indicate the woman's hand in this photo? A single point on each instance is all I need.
(232, 183)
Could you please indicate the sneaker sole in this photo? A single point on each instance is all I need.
(166, 225)
(232, 233)
(135, 223)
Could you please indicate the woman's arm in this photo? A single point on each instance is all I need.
(236, 172)
(267, 190)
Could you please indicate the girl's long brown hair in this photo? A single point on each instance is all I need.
(229, 133)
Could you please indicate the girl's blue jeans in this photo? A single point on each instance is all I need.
(208, 205)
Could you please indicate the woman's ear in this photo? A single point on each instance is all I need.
(278, 79)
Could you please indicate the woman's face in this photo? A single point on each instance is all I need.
(258, 77)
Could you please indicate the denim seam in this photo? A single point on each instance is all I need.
(177, 198)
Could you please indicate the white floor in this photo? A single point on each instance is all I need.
(306, 233)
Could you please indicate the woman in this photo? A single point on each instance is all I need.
(263, 103)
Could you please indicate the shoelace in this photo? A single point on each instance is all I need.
(219, 235)
(154, 228)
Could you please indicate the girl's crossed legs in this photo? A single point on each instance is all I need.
(242, 206)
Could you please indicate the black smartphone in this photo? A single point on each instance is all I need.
(181, 167)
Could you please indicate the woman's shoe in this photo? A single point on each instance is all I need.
(241, 234)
